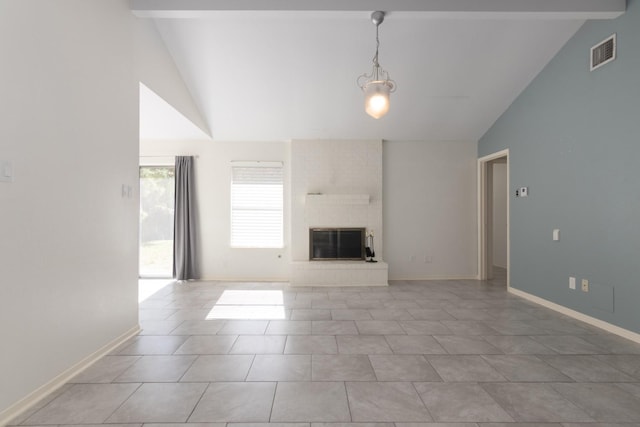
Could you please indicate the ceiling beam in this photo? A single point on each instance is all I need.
(499, 9)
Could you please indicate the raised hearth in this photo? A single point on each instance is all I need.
(339, 273)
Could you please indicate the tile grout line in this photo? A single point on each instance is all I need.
(346, 394)
(123, 402)
(198, 402)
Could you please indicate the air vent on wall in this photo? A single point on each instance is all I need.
(603, 52)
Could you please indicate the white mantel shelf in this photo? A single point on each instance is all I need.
(337, 199)
(339, 273)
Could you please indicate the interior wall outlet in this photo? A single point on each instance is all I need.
(522, 192)
(572, 283)
(585, 285)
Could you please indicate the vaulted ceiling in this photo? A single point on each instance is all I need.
(279, 70)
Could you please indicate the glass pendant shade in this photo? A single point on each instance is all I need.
(376, 98)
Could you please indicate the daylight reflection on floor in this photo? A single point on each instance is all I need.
(248, 304)
(148, 287)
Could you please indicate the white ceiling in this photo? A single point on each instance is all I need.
(266, 75)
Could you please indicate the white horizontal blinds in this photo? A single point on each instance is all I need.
(257, 206)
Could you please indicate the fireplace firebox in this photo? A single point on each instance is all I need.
(330, 244)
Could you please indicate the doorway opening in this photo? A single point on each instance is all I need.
(493, 218)
(157, 187)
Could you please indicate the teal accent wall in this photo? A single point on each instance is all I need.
(574, 139)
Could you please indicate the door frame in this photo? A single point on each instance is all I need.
(485, 228)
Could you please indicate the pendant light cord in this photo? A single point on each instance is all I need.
(376, 65)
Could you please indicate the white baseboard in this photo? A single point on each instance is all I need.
(470, 277)
(7, 415)
(624, 333)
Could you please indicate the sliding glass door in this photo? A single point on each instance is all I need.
(156, 221)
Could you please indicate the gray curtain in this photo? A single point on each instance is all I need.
(184, 226)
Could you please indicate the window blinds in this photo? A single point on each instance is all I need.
(257, 206)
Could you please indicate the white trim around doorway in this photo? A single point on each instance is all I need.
(482, 227)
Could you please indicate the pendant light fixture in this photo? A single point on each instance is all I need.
(377, 85)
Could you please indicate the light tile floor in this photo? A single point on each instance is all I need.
(415, 354)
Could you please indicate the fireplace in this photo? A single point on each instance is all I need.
(330, 244)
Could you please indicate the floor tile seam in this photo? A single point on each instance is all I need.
(592, 356)
(585, 408)
(333, 318)
(436, 369)
(197, 403)
(375, 374)
(150, 309)
(312, 363)
(177, 326)
(286, 341)
(526, 336)
(466, 354)
(541, 360)
(246, 377)
(570, 383)
(533, 337)
(635, 376)
(473, 322)
(346, 395)
(273, 401)
(115, 380)
(123, 402)
(187, 370)
(422, 401)
(406, 332)
(233, 344)
(388, 344)
(355, 323)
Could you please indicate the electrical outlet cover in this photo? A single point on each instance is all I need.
(585, 285)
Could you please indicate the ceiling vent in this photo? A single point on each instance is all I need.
(603, 52)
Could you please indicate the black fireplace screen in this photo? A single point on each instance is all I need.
(336, 243)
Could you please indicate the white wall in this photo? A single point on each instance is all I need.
(157, 70)
(429, 204)
(500, 214)
(213, 182)
(430, 209)
(333, 168)
(68, 240)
